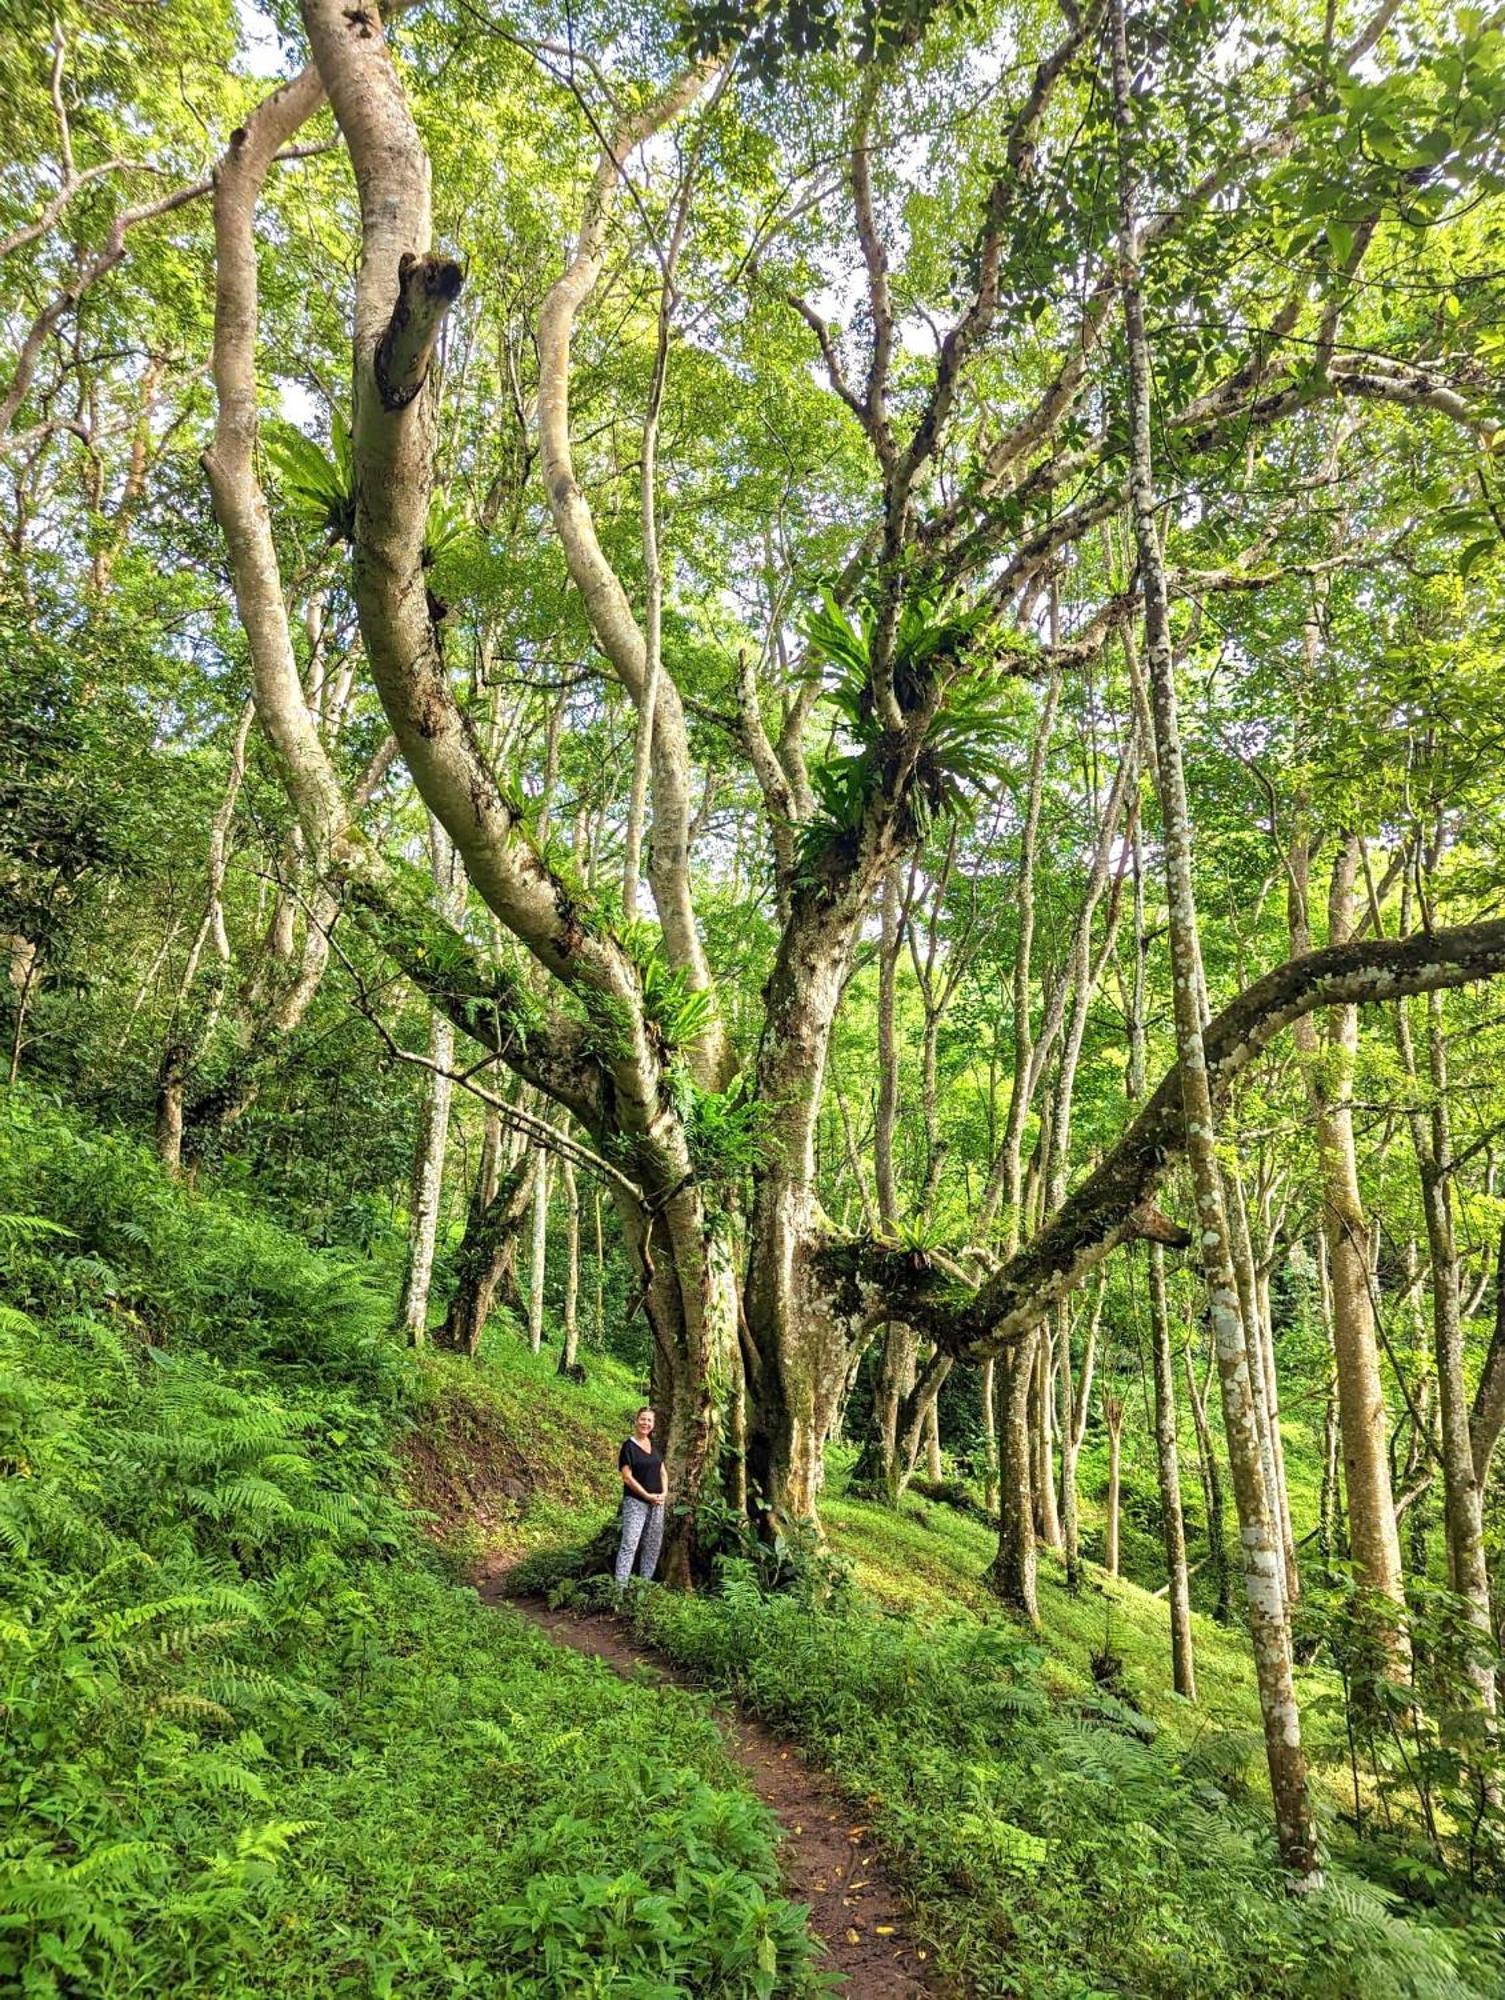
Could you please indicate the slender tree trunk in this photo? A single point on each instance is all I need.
(1488, 1416)
(1330, 1539)
(1212, 1499)
(933, 1442)
(1362, 1416)
(878, 1470)
(1462, 1494)
(887, 1113)
(538, 1260)
(1168, 1474)
(1243, 1264)
(1263, 1587)
(1072, 1410)
(987, 1397)
(1113, 1417)
(569, 1358)
(433, 1122)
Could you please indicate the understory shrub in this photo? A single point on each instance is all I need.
(1064, 1849)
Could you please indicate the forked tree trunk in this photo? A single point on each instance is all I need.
(877, 1472)
(486, 1262)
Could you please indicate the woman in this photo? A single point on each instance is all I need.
(643, 1497)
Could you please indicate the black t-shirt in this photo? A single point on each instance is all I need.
(646, 1467)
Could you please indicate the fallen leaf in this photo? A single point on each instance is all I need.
(853, 1937)
(887, 1930)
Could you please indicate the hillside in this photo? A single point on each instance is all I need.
(256, 1740)
(1065, 1824)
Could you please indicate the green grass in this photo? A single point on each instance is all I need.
(932, 1559)
(504, 1456)
(1062, 1841)
(252, 1740)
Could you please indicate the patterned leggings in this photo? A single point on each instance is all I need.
(642, 1532)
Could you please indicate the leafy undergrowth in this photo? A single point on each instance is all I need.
(254, 1743)
(1067, 1839)
(1065, 1849)
(932, 1558)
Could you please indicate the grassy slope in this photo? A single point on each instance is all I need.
(933, 1558)
(253, 1740)
(1060, 1854)
(510, 1423)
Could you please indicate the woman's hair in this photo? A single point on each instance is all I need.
(645, 1410)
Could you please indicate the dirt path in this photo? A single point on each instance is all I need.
(827, 1862)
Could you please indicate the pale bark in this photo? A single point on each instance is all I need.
(618, 1091)
(569, 1353)
(1462, 1490)
(1076, 1399)
(427, 1186)
(886, 1114)
(1113, 1417)
(1363, 1418)
(1168, 1475)
(1211, 1479)
(1269, 1627)
(537, 1266)
(1488, 1417)
(634, 654)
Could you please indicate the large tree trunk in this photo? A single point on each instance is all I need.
(1016, 1563)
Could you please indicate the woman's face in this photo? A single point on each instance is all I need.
(644, 1425)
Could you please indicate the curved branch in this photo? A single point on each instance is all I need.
(1113, 1204)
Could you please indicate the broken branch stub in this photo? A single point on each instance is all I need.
(426, 289)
